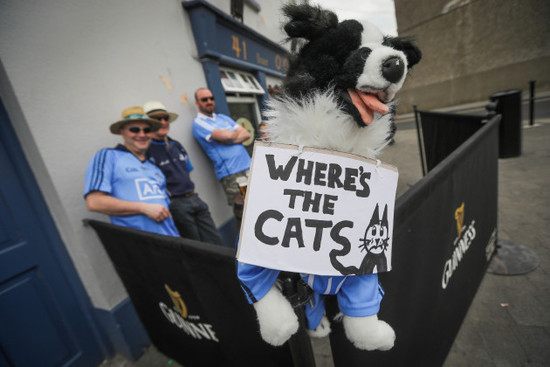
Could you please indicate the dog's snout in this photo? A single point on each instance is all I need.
(393, 69)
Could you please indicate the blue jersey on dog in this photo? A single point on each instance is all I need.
(357, 295)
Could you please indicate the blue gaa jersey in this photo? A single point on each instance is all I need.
(227, 159)
(119, 173)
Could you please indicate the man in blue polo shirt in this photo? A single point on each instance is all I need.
(191, 214)
(123, 184)
(221, 138)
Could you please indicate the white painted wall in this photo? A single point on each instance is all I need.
(267, 21)
(71, 67)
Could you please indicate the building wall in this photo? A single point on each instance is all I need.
(266, 22)
(71, 67)
(473, 48)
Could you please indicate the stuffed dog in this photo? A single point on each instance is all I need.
(338, 94)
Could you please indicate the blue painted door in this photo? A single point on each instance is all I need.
(43, 321)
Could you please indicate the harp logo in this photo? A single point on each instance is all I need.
(178, 302)
(179, 316)
(461, 244)
(459, 216)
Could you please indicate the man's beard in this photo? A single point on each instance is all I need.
(209, 110)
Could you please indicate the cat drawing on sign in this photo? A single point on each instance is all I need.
(375, 243)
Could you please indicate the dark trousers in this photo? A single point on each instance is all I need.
(193, 220)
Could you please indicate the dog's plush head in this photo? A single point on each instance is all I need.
(364, 68)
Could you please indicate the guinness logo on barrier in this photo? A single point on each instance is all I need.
(465, 236)
(177, 300)
(189, 324)
(459, 216)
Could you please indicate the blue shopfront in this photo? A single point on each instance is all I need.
(241, 67)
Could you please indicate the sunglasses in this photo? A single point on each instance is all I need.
(137, 130)
(204, 99)
(165, 117)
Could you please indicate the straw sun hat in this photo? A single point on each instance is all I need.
(134, 114)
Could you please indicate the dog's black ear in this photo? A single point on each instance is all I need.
(308, 21)
(405, 44)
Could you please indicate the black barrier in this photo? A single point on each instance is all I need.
(444, 236)
(509, 106)
(442, 133)
(188, 298)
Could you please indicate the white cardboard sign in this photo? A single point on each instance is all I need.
(317, 211)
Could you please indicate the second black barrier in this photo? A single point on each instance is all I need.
(510, 132)
(442, 133)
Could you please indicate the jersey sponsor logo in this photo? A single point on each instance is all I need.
(131, 169)
(164, 163)
(149, 189)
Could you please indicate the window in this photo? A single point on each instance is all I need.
(234, 81)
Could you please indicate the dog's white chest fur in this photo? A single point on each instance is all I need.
(317, 121)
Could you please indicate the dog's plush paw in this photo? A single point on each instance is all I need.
(369, 333)
(322, 330)
(277, 319)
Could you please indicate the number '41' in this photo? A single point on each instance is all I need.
(237, 48)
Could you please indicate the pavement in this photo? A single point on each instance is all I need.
(508, 323)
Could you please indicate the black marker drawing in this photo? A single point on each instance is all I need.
(375, 242)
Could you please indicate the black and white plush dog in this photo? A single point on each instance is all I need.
(339, 94)
(340, 88)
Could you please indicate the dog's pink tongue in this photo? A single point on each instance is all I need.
(367, 105)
